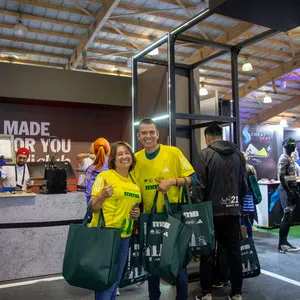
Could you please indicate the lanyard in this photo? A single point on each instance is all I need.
(17, 175)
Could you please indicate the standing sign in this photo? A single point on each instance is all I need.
(262, 145)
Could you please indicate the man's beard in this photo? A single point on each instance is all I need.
(20, 164)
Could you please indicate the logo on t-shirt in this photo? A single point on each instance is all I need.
(129, 194)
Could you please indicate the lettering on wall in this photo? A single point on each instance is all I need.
(25, 135)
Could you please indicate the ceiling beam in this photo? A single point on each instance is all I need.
(42, 19)
(275, 110)
(86, 12)
(94, 28)
(190, 16)
(115, 28)
(30, 62)
(51, 6)
(266, 77)
(36, 42)
(45, 32)
(224, 38)
(32, 52)
(175, 17)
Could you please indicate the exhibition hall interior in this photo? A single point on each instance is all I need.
(72, 71)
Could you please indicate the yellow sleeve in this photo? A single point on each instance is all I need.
(98, 185)
(185, 168)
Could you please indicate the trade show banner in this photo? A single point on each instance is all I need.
(60, 130)
(262, 143)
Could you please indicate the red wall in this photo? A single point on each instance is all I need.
(74, 125)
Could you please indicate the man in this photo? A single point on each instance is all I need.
(288, 194)
(163, 168)
(17, 176)
(221, 172)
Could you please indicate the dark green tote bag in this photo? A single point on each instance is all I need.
(199, 217)
(255, 189)
(164, 241)
(134, 272)
(92, 255)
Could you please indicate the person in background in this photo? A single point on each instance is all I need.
(17, 176)
(222, 177)
(100, 149)
(294, 158)
(116, 193)
(163, 168)
(289, 196)
(84, 161)
(249, 205)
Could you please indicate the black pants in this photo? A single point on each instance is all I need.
(228, 234)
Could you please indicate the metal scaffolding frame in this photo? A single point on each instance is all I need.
(170, 39)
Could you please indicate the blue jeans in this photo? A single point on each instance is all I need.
(246, 222)
(181, 286)
(110, 294)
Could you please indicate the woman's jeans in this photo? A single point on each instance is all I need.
(246, 222)
(181, 286)
(110, 294)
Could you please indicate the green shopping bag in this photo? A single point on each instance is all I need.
(92, 255)
(165, 242)
(255, 189)
(134, 272)
(199, 217)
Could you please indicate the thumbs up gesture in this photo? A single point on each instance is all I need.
(107, 190)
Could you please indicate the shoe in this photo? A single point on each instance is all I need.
(118, 292)
(235, 297)
(218, 285)
(206, 297)
(287, 247)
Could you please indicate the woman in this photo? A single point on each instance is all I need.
(101, 149)
(249, 205)
(118, 195)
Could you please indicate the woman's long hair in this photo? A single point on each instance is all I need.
(101, 149)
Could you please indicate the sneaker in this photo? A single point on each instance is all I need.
(235, 297)
(218, 285)
(206, 297)
(118, 292)
(287, 247)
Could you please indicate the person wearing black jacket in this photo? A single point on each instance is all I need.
(289, 196)
(222, 175)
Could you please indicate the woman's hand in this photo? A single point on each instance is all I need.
(107, 190)
(135, 212)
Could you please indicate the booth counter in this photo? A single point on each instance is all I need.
(33, 232)
(267, 218)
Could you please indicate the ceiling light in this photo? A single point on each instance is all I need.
(203, 91)
(154, 52)
(20, 29)
(247, 67)
(283, 123)
(267, 99)
(128, 62)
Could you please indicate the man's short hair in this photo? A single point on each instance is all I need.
(213, 130)
(147, 121)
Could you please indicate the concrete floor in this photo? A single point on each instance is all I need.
(265, 287)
